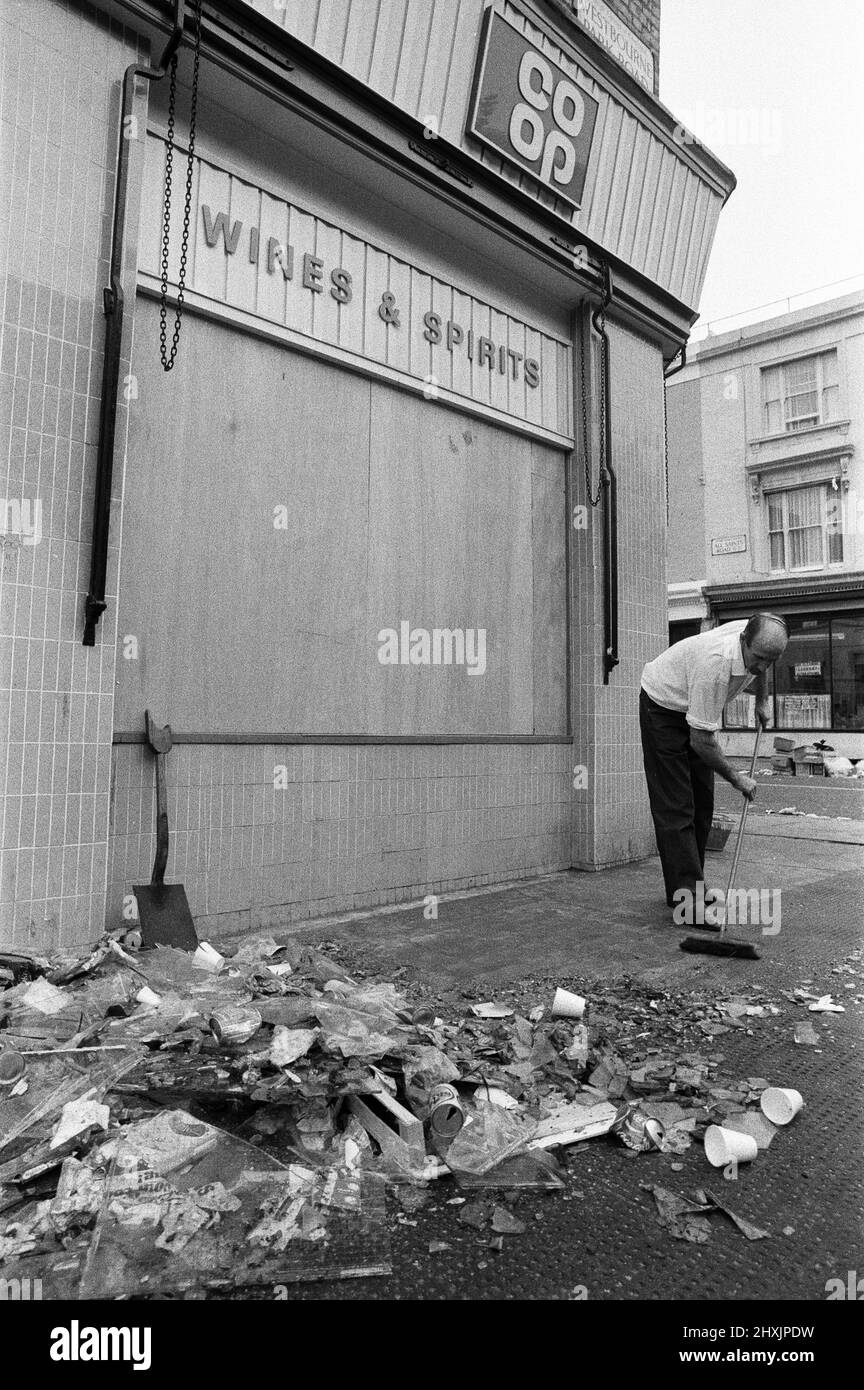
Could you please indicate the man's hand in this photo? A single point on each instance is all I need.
(763, 713)
(745, 785)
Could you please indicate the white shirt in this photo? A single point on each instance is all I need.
(699, 675)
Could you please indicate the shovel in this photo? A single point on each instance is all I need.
(163, 908)
(724, 945)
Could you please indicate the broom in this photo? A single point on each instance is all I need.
(724, 945)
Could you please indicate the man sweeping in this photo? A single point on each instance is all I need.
(684, 692)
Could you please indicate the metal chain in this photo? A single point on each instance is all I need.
(586, 450)
(167, 358)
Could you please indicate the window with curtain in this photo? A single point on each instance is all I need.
(797, 395)
(805, 527)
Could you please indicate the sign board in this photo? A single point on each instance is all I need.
(320, 285)
(531, 111)
(807, 668)
(728, 545)
(617, 39)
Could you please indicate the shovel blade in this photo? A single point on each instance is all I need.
(164, 916)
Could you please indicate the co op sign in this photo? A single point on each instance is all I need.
(529, 110)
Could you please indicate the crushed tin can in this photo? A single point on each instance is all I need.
(236, 1023)
(446, 1112)
(636, 1130)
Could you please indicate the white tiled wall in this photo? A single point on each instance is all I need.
(59, 114)
(352, 827)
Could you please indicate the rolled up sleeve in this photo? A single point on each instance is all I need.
(707, 686)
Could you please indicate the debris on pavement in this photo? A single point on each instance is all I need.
(780, 1105)
(687, 1219)
(806, 1034)
(826, 1005)
(180, 1121)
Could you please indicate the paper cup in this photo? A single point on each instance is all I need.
(724, 1146)
(779, 1105)
(206, 958)
(567, 1005)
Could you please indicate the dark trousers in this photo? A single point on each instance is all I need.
(681, 793)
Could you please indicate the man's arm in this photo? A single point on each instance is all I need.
(704, 744)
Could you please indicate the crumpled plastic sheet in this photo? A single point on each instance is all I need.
(230, 1217)
(489, 1135)
(538, 1170)
(53, 1081)
(355, 1033)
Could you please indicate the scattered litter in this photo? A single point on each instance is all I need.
(78, 1117)
(567, 1005)
(826, 1005)
(488, 1136)
(474, 1214)
(683, 1219)
(290, 1043)
(572, 1122)
(506, 1224)
(206, 958)
(725, 1146)
(780, 1105)
(745, 1227)
(805, 1033)
(635, 1129)
(687, 1219)
(346, 1095)
(446, 1111)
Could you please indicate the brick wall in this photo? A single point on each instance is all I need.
(643, 17)
(59, 108)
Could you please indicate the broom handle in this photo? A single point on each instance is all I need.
(745, 808)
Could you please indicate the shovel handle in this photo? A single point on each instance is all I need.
(745, 808)
(161, 859)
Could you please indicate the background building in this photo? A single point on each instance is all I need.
(385, 423)
(766, 487)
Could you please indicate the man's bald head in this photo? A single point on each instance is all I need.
(765, 636)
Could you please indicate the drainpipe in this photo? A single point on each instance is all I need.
(667, 372)
(112, 303)
(610, 484)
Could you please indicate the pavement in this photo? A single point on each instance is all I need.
(612, 932)
(834, 797)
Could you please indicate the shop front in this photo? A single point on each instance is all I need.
(386, 543)
(818, 684)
